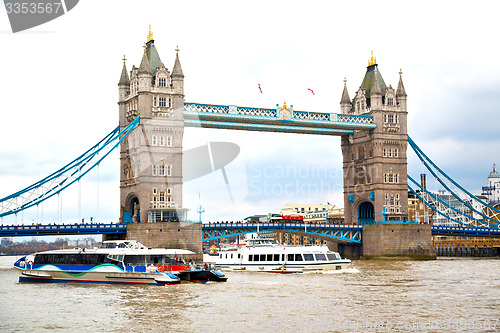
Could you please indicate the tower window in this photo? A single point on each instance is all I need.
(162, 82)
(163, 102)
(169, 170)
(169, 141)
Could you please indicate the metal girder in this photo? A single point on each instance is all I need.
(258, 119)
(66, 176)
(465, 231)
(61, 229)
(344, 233)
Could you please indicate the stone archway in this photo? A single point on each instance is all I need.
(131, 211)
(366, 213)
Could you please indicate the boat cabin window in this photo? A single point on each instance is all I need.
(308, 257)
(70, 259)
(269, 257)
(239, 255)
(135, 260)
(320, 257)
(291, 257)
(262, 257)
(298, 257)
(250, 257)
(331, 256)
(276, 257)
(116, 257)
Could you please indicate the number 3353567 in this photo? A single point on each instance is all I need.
(32, 8)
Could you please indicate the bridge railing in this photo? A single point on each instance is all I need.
(60, 229)
(233, 110)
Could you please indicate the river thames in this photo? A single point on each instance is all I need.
(444, 295)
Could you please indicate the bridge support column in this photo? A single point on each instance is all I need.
(172, 235)
(412, 241)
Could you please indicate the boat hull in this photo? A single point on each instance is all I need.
(287, 268)
(104, 274)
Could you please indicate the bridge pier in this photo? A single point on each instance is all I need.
(412, 241)
(172, 235)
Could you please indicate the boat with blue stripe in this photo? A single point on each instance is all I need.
(116, 262)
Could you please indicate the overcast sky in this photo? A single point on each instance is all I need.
(58, 92)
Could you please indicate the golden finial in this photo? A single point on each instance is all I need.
(150, 35)
(284, 105)
(372, 61)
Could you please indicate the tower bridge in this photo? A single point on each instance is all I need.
(153, 115)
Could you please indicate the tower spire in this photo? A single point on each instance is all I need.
(401, 88)
(150, 35)
(345, 95)
(372, 61)
(177, 69)
(124, 80)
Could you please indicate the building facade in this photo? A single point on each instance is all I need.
(374, 161)
(492, 191)
(151, 155)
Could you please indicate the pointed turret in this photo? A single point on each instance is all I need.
(177, 75)
(372, 72)
(144, 67)
(345, 101)
(401, 93)
(124, 80)
(401, 88)
(177, 69)
(375, 92)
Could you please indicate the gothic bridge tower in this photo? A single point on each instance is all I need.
(151, 156)
(374, 161)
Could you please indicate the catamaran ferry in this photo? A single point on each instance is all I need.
(116, 262)
(265, 255)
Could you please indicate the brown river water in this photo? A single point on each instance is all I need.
(444, 295)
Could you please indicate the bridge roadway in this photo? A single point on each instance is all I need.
(212, 231)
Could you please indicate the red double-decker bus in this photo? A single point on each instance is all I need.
(292, 219)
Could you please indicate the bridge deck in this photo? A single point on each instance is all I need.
(348, 233)
(257, 119)
(61, 229)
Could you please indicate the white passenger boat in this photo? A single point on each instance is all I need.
(116, 262)
(264, 255)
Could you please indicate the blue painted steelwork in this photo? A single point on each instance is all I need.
(61, 229)
(265, 127)
(257, 119)
(432, 207)
(435, 197)
(344, 233)
(465, 231)
(431, 166)
(66, 176)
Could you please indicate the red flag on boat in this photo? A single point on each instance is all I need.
(176, 258)
(260, 89)
(310, 90)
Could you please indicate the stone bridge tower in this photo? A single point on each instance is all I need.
(374, 161)
(151, 156)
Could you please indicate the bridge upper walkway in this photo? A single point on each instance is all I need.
(273, 120)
